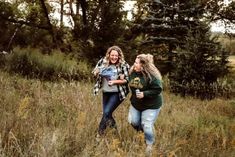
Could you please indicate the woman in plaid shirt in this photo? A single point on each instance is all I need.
(112, 77)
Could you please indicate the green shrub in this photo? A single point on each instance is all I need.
(32, 63)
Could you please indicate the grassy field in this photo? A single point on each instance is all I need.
(232, 60)
(60, 119)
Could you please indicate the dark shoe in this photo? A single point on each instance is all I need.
(137, 128)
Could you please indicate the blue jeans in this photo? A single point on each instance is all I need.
(110, 102)
(144, 120)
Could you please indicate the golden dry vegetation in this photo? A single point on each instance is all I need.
(61, 119)
(232, 60)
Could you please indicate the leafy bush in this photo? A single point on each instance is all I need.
(32, 63)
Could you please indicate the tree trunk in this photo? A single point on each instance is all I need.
(84, 9)
(61, 13)
(12, 37)
(49, 23)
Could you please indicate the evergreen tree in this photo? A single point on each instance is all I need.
(179, 24)
(197, 67)
(167, 25)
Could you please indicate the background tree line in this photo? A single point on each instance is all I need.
(176, 32)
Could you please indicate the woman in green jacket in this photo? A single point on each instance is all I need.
(146, 100)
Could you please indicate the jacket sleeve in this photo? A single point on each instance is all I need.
(99, 63)
(154, 88)
(125, 69)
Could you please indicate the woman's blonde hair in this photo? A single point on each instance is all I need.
(149, 69)
(120, 54)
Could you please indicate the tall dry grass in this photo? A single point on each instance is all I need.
(61, 119)
(232, 61)
(228, 43)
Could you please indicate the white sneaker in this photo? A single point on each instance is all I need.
(149, 149)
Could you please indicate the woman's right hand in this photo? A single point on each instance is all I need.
(139, 95)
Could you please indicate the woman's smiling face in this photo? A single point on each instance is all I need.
(113, 57)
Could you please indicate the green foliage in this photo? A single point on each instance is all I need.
(178, 37)
(166, 25)
(26, 28)
(106, 26)
(7, 28)
(32, 63)
(198, 67)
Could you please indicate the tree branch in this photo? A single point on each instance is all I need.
(21, 22)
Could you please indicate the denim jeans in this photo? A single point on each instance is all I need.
(144, 120)
(110, 102)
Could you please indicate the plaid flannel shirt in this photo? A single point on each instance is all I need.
(123, 89)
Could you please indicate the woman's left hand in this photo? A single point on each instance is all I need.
(140, 95)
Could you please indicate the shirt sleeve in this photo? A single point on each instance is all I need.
(99, 63)
(154, 88)
(126, 68)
